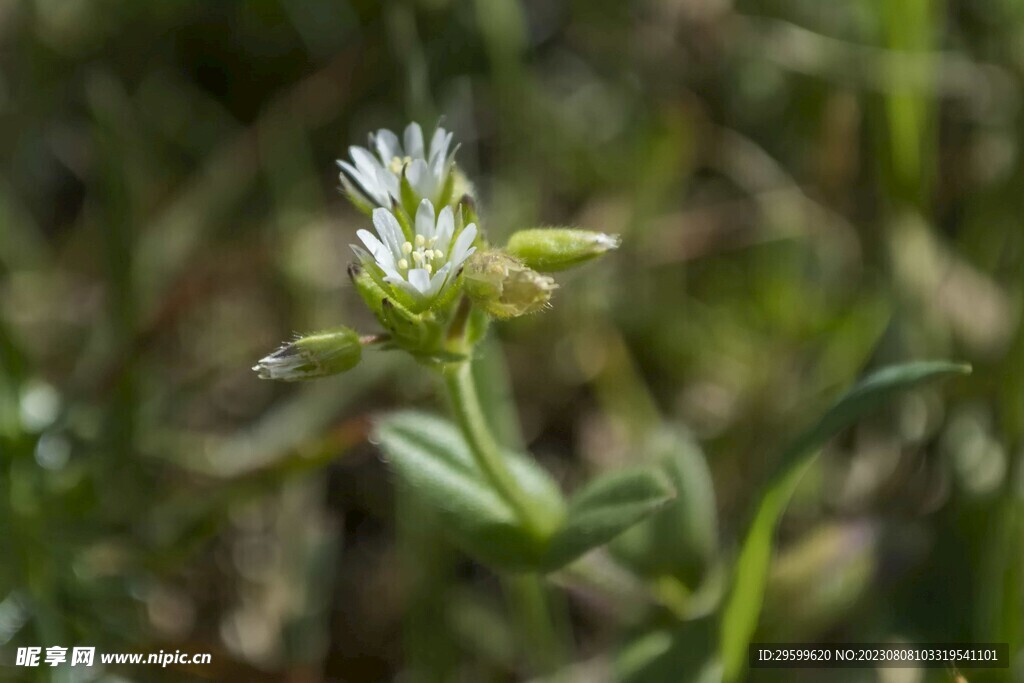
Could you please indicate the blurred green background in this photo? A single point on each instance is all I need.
(806, 190)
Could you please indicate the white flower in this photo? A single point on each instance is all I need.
(425, 266)
(377, 172)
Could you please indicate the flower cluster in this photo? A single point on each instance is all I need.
(422, 264)
(375, 175)
(426, 271)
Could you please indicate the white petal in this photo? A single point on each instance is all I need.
(425, 219)
(414, 141)
(368, 184)
(421, 179)
(607, 241)
(437, 282)
(451, 158)
(437, 172)
(437, 144)
(420, 279)
(389, 230)
(403, 285)
(371, 242)
(445, 229)
(349, 169)
(361, 254)
(462, 248)
(439, 160)
(389, 181)
(392, 275)
(387, 145)
(381, 253)
(365, 162)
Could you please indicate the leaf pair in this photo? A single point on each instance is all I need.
(430, 454)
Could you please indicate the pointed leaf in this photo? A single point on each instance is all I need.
(605, 508)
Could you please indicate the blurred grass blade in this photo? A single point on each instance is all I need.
(743, 608)
(430, 454)
(605, 508)
(909, 27)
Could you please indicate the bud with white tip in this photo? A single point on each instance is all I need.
(316, 355)
(551, 249)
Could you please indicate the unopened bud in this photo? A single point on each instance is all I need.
(313, 356)
(551, 249)
(502, 286)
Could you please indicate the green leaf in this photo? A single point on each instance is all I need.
(430, 455)
(605, 508)
(681, 539)
(743, 608)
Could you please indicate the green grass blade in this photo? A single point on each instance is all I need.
(743, 608)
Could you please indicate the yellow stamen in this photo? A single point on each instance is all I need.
(398, 163)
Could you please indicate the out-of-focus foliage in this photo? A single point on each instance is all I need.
(805, 190)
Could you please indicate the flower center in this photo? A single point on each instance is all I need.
(398, 163)
(420, 255)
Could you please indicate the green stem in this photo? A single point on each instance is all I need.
(543, 634)
(470, 416)
(543, 627)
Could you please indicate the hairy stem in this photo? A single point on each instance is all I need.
(470, 416)
(543, 626)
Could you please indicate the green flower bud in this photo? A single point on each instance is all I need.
(551, 249)
(502, 286)
(313, 356)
